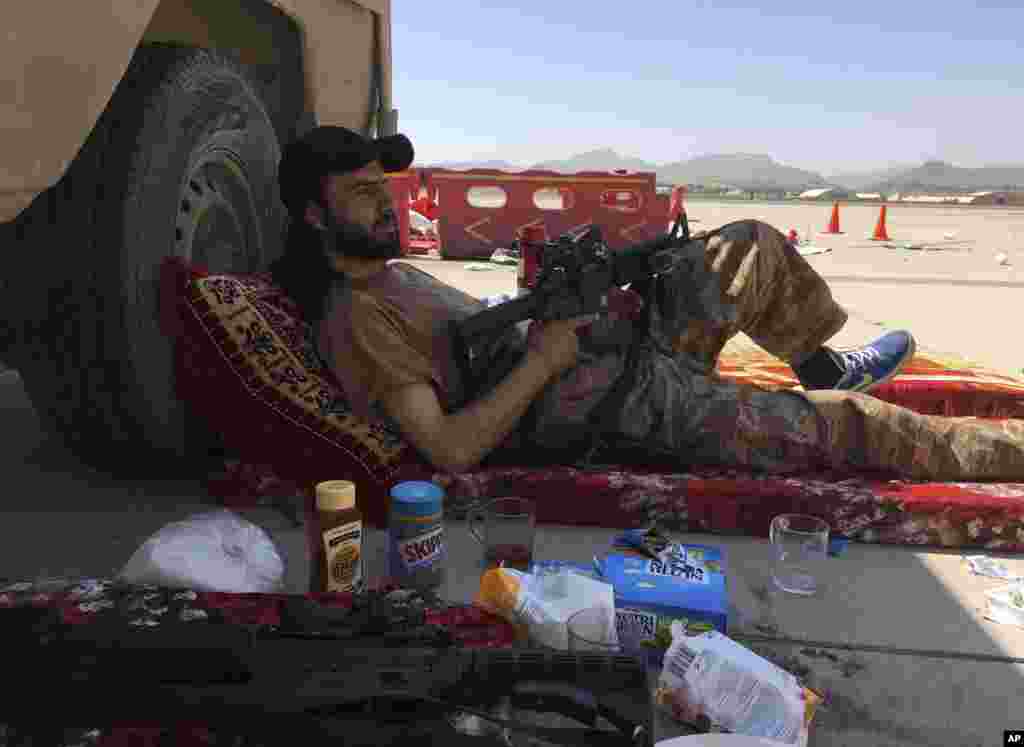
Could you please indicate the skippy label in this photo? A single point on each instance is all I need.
(422, 550)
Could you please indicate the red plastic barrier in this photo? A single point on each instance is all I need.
(481, 210)
(677, 206)
(404, 185)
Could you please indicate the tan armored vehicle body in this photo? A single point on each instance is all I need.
(134, 130)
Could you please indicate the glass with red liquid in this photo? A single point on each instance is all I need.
(506, 528)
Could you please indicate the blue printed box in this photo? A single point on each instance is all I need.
(685, 583)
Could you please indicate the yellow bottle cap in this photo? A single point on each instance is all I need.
(335, 495)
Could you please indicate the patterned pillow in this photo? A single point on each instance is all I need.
(246, 364)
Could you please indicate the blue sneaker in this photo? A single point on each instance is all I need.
(875, 363)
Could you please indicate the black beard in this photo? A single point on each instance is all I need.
(353, 240)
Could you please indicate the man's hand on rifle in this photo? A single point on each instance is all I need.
(557, 342)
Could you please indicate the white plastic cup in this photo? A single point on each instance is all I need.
(593, 629)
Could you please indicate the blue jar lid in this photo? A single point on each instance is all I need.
(416, 498)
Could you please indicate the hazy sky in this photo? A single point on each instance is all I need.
(826, 86)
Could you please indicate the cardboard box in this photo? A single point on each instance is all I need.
(687, 583)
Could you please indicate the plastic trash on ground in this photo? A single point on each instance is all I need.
(1006, 604)
(505, 257)
(540, 606)
(715, 740)
(737, 690)
(496, 299)
(982, 565)
(214, 551)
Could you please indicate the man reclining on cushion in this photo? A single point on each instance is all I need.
(380, 328)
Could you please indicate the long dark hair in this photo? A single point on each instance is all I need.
(303, 272)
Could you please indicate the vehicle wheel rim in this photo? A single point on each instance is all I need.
(216, 225)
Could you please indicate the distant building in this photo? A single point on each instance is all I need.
(931, 199)
(993, 198)
(974, 198)
(702, 188)
(769, 194)
(869, 196)
(825, 193)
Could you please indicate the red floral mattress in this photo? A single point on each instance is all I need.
(245, 363)
(930, 383)
(867, 508)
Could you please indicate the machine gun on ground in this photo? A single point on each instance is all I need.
(319, 682)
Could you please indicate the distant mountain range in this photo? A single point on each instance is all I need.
(741, 170)
(604, 159)
(863, 180)
(759, 172)
(749, 171)
(939, 176)
(465, 165)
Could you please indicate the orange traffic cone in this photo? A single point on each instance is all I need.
(880, 233)
(833, 225)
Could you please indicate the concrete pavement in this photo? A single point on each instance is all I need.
(880, 606)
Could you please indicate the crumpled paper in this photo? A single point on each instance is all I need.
(982, 565)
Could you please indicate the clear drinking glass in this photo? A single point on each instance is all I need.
(593, 629)
(800, 545)
(507, 529)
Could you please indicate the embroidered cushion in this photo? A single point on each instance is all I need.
(247, 365)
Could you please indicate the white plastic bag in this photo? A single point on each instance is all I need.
(215, 551)
(544, 604)
(736, 689)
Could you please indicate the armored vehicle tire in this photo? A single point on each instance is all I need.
(183, 162)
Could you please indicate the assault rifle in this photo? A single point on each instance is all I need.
(575, 273)
(308, 684)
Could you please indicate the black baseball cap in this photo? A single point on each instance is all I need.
(334, 150)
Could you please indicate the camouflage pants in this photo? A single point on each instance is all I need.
(752, 280)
